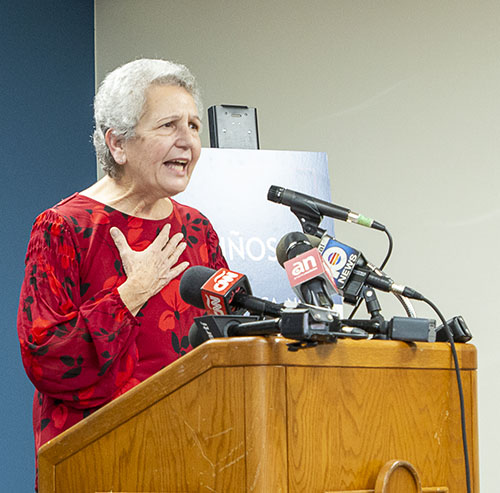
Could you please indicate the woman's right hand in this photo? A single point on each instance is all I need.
(151, 270)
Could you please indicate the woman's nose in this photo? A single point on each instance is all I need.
(185, 136)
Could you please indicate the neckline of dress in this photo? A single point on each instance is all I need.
(86, 197)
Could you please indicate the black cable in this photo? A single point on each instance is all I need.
(389, 250)
(460, 389)
(382, 265)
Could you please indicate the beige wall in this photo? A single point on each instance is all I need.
(402, 95)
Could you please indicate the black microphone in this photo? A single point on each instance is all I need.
(311, 206)
(200, 285)
(199, 334)
(352, 271)
(215, 326)
(308, 274)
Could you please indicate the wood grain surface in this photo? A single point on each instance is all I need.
(246, 414)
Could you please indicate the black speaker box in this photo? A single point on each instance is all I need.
(233, 127)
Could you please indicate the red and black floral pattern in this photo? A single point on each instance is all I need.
(80, 345)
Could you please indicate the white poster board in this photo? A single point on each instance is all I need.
(230, 187)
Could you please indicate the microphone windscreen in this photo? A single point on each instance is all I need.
(274, 193)
(192, 281)
(197, 336)
(281, 251)
(291, 245)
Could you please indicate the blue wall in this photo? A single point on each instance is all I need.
(46, 91)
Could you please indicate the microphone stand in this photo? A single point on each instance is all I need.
(398, 328)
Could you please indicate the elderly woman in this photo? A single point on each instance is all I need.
(100, 309)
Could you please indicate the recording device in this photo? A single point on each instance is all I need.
(313, 324)
(311, 209)
(411, 329)
(309, 277)
(223, 292)
(398, 328)
(233, 127)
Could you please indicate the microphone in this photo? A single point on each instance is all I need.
(300, 204)
(223, 292)
(308, 274)
(342, 260)
(352, 271)
(198, 335)
(212, 327)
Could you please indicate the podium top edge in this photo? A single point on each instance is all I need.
(238, 352)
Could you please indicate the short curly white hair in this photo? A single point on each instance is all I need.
(120, 99)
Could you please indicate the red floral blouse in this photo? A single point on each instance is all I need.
(80, 345)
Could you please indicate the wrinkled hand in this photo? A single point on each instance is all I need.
(150, 270)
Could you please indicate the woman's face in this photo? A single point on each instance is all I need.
(161, 157)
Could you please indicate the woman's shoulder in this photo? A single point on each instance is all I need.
(76, 213)
(78, 203)
(53, 215)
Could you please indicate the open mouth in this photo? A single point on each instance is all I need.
(177, 164)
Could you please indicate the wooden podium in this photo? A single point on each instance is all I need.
(247, 415)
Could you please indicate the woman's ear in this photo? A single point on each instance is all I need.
(115, 146)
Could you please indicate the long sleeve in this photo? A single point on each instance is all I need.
(80, 345)
(79, 351)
